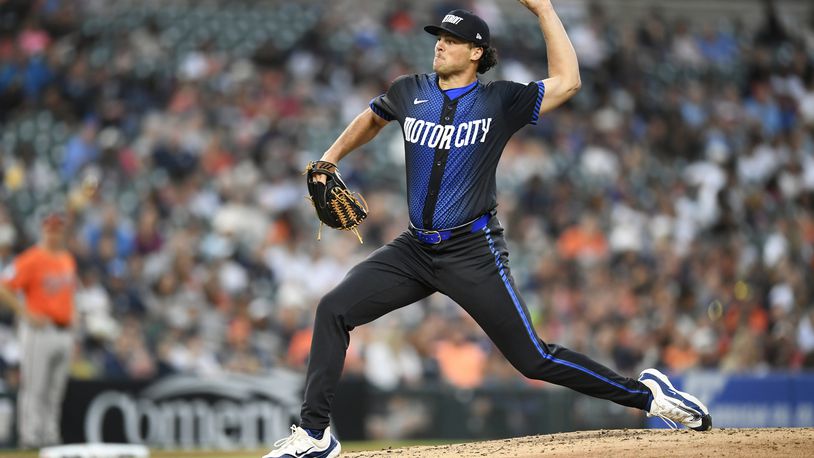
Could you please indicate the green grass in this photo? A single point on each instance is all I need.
(346, 447)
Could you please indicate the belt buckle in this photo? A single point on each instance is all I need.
(429, 237)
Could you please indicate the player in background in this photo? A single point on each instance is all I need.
(455, 128)
(45, 276)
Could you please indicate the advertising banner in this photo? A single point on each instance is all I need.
(183, 412)
(751, 400)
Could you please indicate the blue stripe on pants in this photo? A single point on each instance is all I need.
(530, 330)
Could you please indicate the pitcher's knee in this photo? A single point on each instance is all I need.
(330, 307)
(531, 370)
(326, 307)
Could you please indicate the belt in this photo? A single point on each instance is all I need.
(431, 237)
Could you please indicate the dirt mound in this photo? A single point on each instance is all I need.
(785, 442)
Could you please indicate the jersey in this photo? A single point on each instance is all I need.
(452, 146)
(47, 280)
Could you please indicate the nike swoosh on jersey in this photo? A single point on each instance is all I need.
(416, 101)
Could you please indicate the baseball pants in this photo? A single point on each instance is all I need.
(472, 269)
(46, 355)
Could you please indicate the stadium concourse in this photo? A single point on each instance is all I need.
(665, 217)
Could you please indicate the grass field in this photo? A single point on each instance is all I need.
(346, 447)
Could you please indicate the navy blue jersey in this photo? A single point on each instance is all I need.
(452, 146)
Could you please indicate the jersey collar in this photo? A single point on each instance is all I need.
(437, 85)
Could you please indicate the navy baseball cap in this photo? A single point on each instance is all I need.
(464, 25)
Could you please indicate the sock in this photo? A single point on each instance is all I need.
(315, 433)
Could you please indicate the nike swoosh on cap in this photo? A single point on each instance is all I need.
(417, 101)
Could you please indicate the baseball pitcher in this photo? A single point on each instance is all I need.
(455, 128)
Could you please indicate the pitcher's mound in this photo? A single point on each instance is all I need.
(719, 442)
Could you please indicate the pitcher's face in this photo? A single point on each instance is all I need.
(453, 55)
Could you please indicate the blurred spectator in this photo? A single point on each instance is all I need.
(584, 241)
(80, 150)
(462, 361)
(805, 339)
(390, 360)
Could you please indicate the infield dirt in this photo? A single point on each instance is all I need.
(720, 442)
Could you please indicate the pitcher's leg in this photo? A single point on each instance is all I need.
(387, 280)
(489, 295)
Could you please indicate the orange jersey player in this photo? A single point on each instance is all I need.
(45, 276)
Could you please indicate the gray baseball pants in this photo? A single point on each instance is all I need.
(44, 364)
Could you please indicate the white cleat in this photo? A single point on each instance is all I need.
(674, 406)
(300, 445)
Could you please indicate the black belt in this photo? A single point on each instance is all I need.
(431, 237)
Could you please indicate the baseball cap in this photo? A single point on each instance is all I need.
(463, 24)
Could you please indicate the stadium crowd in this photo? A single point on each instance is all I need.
(665, 217)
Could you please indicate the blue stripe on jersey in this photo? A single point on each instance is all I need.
(540, 93)
(458, 91)
(530, 330)
(379, 112)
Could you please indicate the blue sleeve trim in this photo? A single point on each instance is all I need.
(382, 114)
(540, 93)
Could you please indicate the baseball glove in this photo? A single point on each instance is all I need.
(336, 206)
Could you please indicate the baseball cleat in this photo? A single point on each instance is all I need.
(674, 406)
(300, 445)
